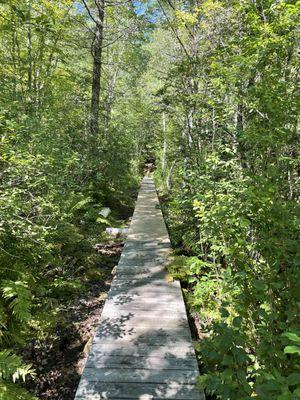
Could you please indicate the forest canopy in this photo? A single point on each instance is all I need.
(89, 91)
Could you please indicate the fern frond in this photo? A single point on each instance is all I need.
(11, 391)
(12, 367)
(19, 297)
(81, 204)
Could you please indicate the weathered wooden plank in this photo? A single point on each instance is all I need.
(164, 311)
(146, 301)
(139, 333)
(133, 339)
(149, 243)
(124, 285)
(150, 326)
(140, 391)
(142, 293)
(96, 374)
(143, 362)
(139, 310)
(138, 267)
(141, 260)
(131, 282)
(139, 279)
(145, 255)
(129, 321)
(144, 397)
(159, 279)
(139, 293)
(184, 350)
(152, 283)
(121, 288)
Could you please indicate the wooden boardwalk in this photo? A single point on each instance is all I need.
(143, 347)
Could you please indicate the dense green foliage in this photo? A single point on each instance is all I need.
(209, 89)
(230, 100)
(54, 177)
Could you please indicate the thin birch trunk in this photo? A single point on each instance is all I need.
(97, 65)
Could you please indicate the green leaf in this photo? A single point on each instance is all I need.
(237, 322)
(224, 312)
(103, 221)
(11, 391)
(259, 285)
(227, 360)
(292, 350)
(297, 393)
(285, 396)
(293, 378)
(81, 204)
(19, 298)
(11, 367)
(294, 337)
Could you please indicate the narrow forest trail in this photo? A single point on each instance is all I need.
(204, 94)
(142, 348)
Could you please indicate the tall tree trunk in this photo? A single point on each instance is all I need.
(169, 177)
(97, 65)
(29, 54)
(165, 148)
(111, 85)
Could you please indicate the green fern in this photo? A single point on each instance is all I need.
(81, 204)
(3, 317)
(11, 367)
(19, 299)
(11, 391)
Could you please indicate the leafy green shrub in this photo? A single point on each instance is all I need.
(65, 288)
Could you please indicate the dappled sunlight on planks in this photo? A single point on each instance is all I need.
(142, 348)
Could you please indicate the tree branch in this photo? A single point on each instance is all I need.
(89, 11)
(174, 31)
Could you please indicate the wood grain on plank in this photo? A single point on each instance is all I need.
(95, 374)
(139, 391)
(143, 362)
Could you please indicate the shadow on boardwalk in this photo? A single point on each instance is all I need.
(143, 347)
(140, 370)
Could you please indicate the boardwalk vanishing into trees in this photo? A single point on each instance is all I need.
(202, 94)
(143, 347)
